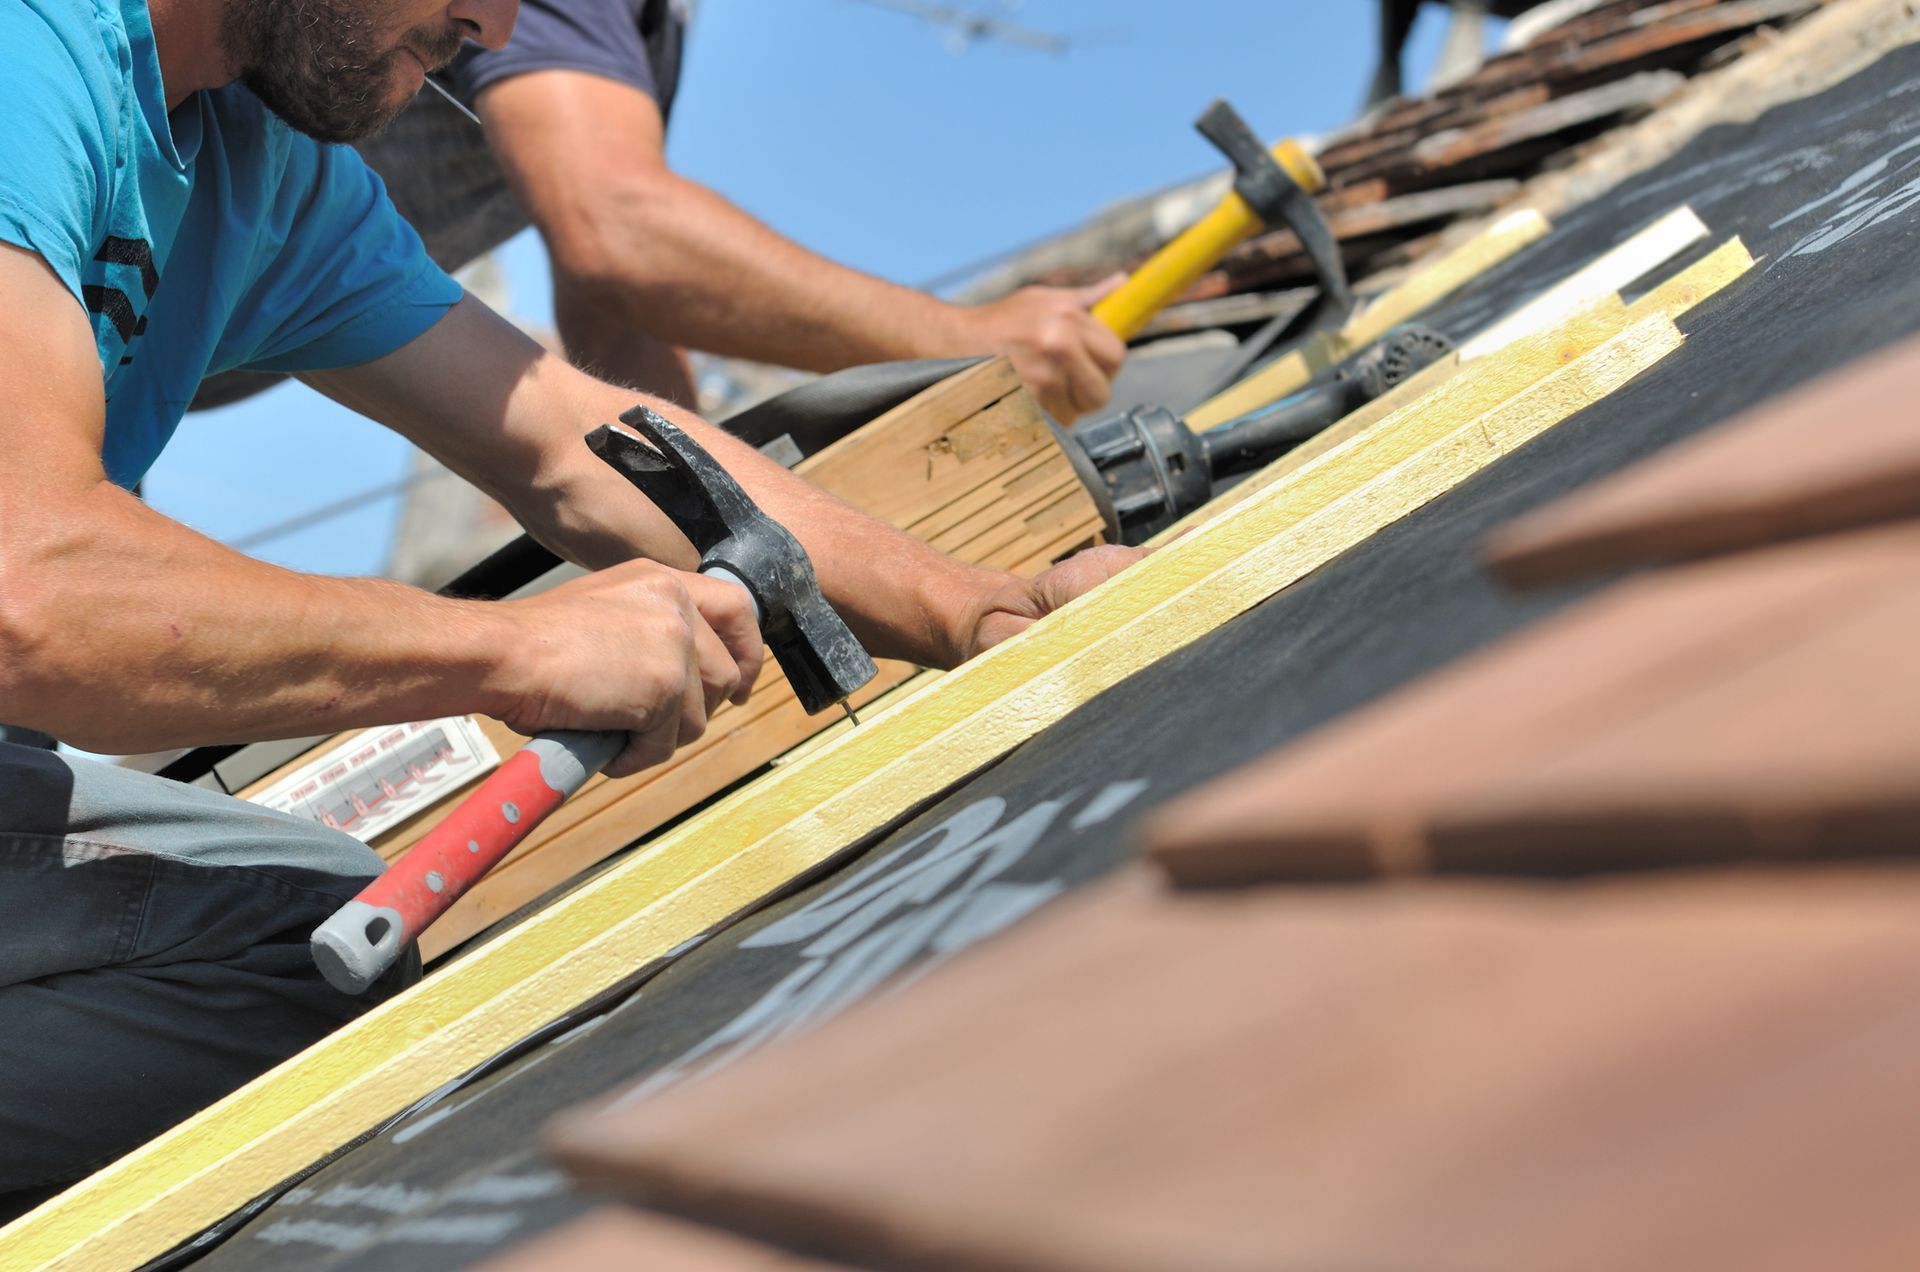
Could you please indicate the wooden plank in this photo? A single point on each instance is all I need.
(1445, 387)
(506, 890)
(1612, 271)
(1519, 363)
(1454, 149)
(1425, 288)
(1660, 35)
(892, 697)
(598, 792)
(632, 813)
(1708, 276)
(1380, 143)
(981, 478)
(939, 520)
(802, 815)
(969, 465)
(1605, 45)
(962, 522)
(1061, 483)
(904, 465)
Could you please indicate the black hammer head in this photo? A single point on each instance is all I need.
(824, 661)
(1280, 202)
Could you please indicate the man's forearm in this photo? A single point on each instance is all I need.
(639, 250)
(903, 598)
(126, 631)
(658, 257)
(512, 418)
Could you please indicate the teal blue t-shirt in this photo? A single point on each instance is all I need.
(212, 238)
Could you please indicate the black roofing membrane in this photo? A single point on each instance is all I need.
(1824, 189)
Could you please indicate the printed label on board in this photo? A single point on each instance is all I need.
(384, 776)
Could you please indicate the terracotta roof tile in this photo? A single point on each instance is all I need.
(1705, 1070)
(1756, 705)
(620, 1239)
(1839, 453)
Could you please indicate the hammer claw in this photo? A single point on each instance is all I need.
(823, 660)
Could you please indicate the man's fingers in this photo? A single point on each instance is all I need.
(1087, 385)
(717, 672)
(694, 696)
(1109, 350)
(1084, 571)
(1055, 401)
(729, 616)
(651, 745)
(1023, 603)
(1093, 293)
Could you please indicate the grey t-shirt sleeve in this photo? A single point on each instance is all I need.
(636, 42)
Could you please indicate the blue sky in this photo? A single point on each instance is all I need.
(859, 132)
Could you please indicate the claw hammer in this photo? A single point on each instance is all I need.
(822, 659)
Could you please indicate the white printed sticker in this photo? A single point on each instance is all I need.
(384, 776)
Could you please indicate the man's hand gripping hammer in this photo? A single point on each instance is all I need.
(737, 542)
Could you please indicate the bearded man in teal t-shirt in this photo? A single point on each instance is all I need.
(171, 205)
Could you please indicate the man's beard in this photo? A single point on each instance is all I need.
(318, 64)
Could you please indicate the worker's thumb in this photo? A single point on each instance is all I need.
(1093, 293)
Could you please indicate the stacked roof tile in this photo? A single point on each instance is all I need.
(1401, 176)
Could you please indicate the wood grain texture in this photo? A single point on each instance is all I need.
(714, 866)
(1841, 452)
(1704, 1070)
(1753, 706)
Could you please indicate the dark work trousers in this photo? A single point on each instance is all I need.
(153, 957)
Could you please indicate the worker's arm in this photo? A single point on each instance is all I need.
(510, 417)
(679, 262)
(123, 631)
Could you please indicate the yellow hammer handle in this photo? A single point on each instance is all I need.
(1197, 249)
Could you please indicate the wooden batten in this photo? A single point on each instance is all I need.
(1584, 315)
(1427, 287)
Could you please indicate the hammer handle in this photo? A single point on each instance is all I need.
(364, 938)
(1197, 249)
